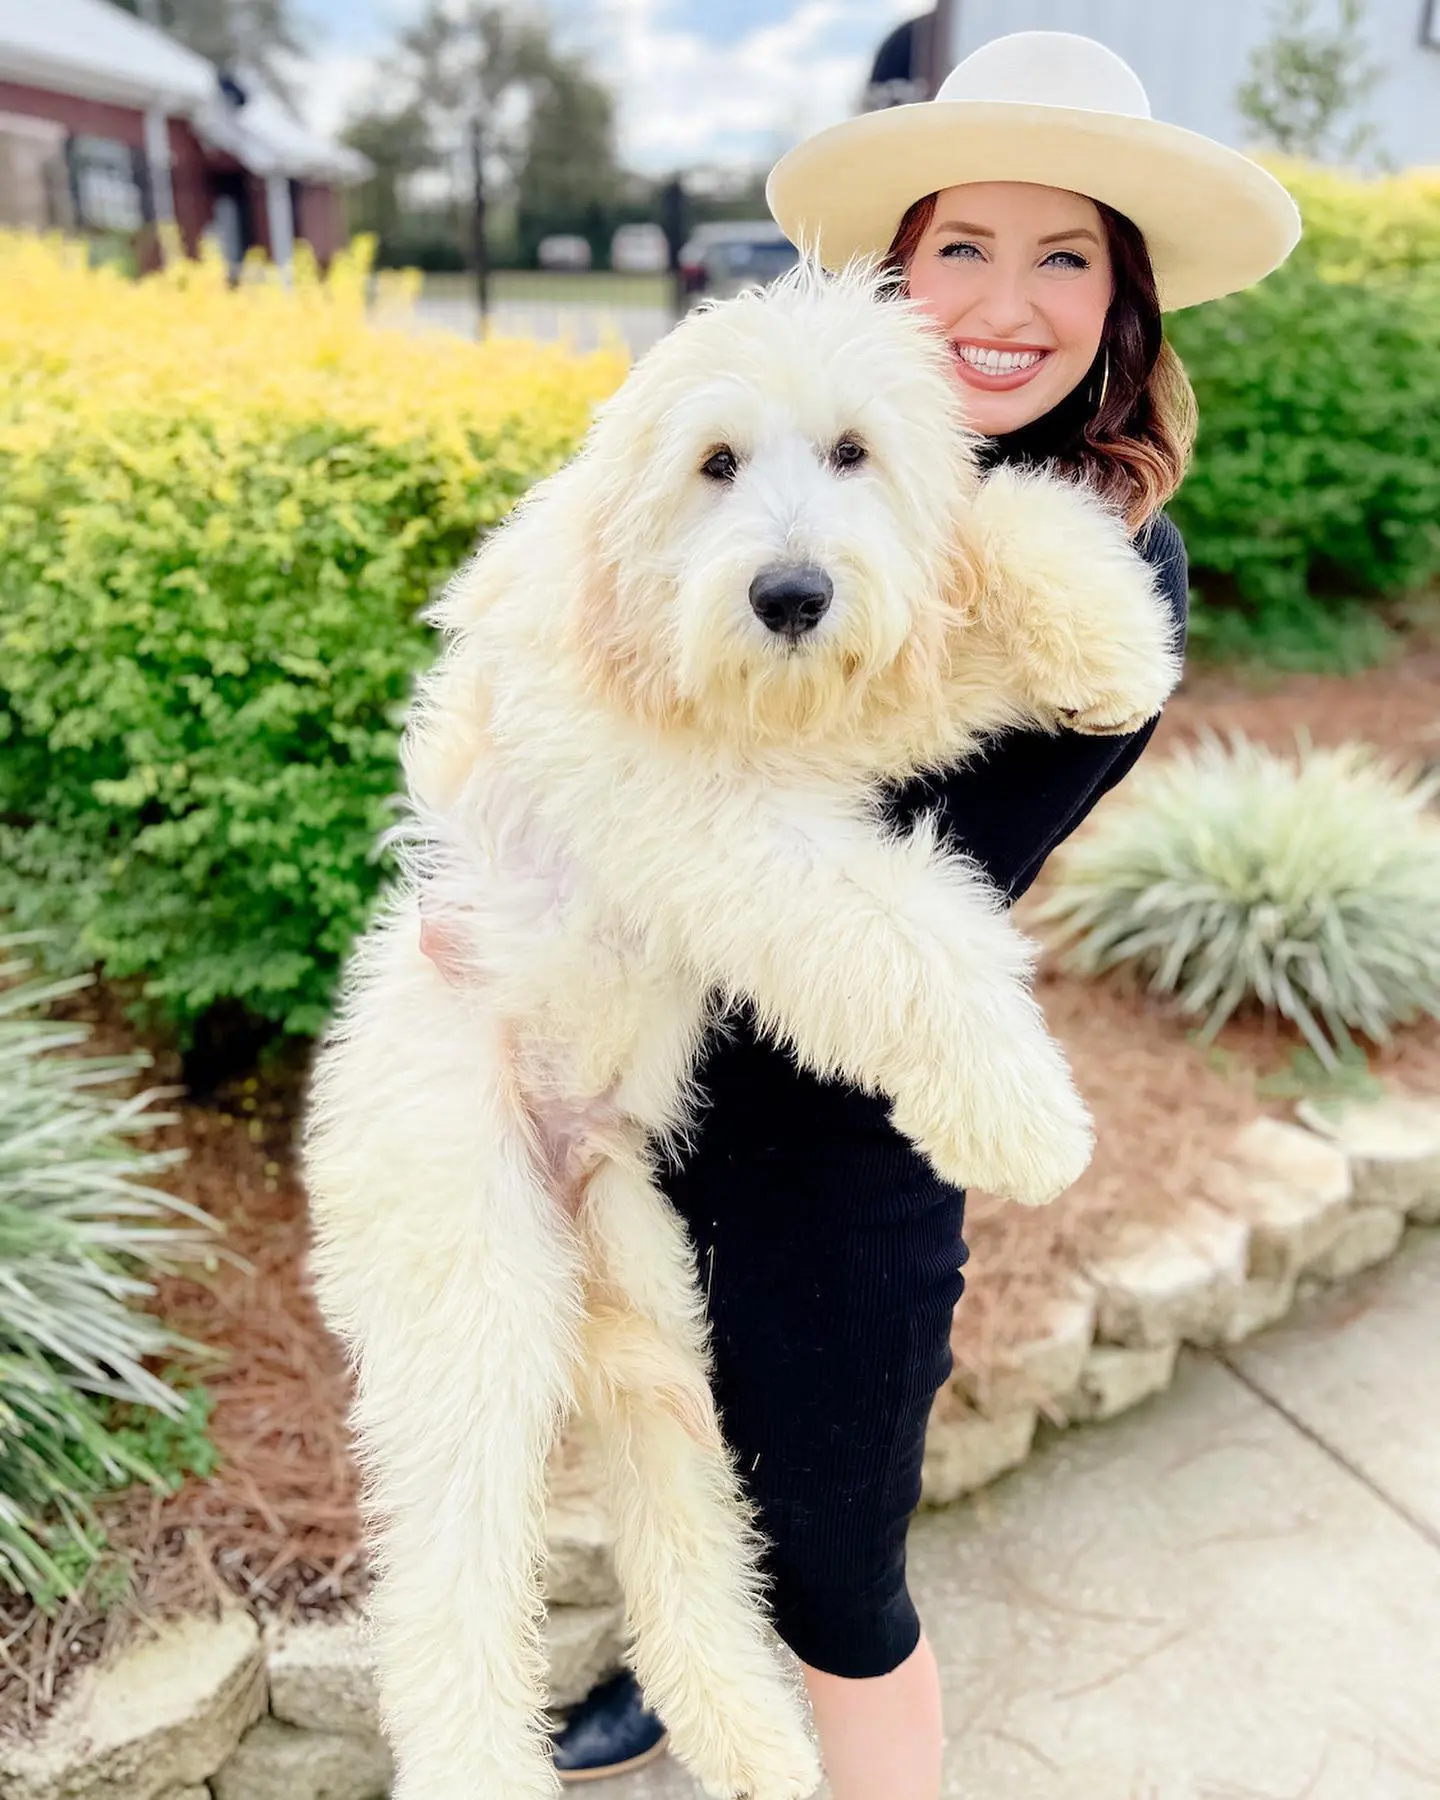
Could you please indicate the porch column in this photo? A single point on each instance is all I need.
(157, 158)
(282, 220)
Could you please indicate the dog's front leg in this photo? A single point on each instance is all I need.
(879, 959)
(685, 1550)
(1066, 605)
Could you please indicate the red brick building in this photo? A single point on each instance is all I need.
(109, 127)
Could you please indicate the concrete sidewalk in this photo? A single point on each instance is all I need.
(1232, 1593)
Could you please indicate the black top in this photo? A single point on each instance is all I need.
(1008, 808)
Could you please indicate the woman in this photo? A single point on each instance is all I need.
(1043, 220)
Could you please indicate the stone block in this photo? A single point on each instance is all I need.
(964, 1453)
(1368, 1235)
(1043, 1367)
(1292, 1191)
(1394, 1149)
(322, 1677)
(1114, 1379)
(579, 1538)
(579, 1552)
(276, 1761)
(1164, 1283)
(187, 1793)
(584, 1644)
(1264, 1300)
(166, 1713)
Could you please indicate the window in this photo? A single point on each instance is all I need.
(108, 196)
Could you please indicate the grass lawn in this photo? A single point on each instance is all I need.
(558, 287)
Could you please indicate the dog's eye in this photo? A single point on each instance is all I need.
(721, 466)
(849, 453)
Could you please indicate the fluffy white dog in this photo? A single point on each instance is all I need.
(641, 778)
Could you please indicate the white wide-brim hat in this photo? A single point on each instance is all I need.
(1061, 111)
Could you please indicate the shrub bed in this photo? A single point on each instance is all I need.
(220, 513)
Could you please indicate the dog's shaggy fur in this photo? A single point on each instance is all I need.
(628, 797)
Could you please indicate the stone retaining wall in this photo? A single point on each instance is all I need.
(228, 1710)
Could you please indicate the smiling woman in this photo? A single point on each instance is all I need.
(1018, 277)
(1045, 295)
(1043, 220)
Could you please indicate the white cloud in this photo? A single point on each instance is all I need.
(683, 100)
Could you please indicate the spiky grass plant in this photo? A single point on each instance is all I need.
(81, 1236)
(1309, 883)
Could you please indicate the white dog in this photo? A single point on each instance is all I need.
(642, 778)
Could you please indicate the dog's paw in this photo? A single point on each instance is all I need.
(1112, 715)
(1036, 1165)
(1029, 1150)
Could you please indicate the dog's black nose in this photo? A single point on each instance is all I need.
(791, 599)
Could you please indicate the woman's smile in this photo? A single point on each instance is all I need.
(996, 367)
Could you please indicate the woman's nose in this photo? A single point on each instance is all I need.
(1006, 304)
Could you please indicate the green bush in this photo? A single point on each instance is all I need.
(1309, 885)
(1316, 481)
(220, 514)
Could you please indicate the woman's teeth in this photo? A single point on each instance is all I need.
(998, 362)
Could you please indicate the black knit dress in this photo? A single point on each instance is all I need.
(829, 1250)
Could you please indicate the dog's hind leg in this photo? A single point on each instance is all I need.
(451, 1276)
(685, 1548)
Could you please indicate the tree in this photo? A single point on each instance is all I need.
(254, 37)
(569, 178)
(546, 125)
(398, 146)
(1306, 79)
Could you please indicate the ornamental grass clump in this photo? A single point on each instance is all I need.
(82, 1236)
(1309, 883)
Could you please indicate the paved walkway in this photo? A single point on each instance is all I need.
(1232, 1593)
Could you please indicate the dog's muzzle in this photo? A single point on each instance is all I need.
(791, 599)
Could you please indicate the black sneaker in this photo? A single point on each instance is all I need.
(608, 1733)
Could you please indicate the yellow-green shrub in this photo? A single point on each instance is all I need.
(219, 514)
(1317, 472)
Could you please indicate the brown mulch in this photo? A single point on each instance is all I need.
(276, 1525)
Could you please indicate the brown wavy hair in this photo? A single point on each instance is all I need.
(1136, 446)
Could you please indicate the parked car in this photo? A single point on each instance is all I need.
(640, 249)
(727, 255)
(563, 252)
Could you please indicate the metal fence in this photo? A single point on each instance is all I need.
(584, 307)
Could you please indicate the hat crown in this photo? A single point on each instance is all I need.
(1048, 68)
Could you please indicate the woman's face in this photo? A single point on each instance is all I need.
(1018, 278)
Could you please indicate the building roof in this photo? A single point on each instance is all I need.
(93, 49)
(267, 140)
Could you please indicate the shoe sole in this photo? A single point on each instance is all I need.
(568, 1776)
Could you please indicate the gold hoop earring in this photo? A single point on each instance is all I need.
(1104, 386)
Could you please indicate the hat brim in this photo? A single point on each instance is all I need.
(1213, 220)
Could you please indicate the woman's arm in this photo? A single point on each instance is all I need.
(1029, 790)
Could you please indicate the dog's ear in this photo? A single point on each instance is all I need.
(619, 639)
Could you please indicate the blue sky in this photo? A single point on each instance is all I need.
(698, 81)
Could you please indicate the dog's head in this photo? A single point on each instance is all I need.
(771, 500)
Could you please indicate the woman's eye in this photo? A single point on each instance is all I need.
(721, 465)
(957, 250)
(1067, 259)
(849, 453)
